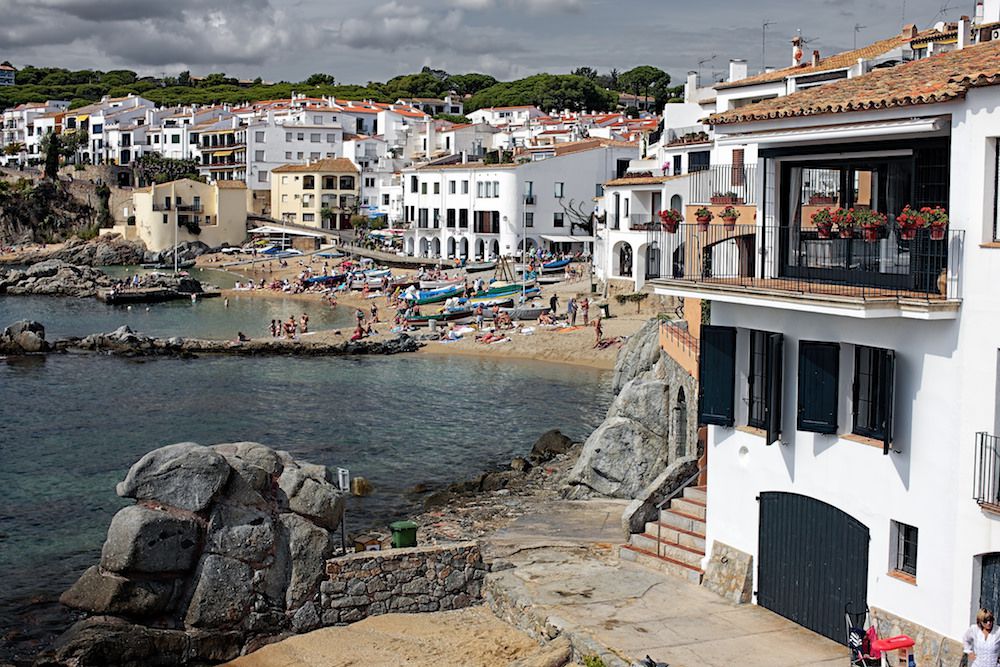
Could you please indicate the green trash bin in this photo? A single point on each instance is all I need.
(404, 534)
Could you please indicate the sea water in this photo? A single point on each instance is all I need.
(73, 424)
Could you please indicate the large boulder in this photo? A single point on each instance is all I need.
(549, 445)
(141, 539)
(185, 475)
(23, 337)
(639, 354)
(645, 507)
(227, 546)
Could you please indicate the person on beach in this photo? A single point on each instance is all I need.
(571, 311)
(585, 311)
(479, 316)
(304, 323)
(553, 303)
(290, 327)
(274, 328)
(360, 316)
(374, 312)
(598, 331)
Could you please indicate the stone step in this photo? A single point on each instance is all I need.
(684, 538)
(683, 521)
(688, 556)
(696, 493)
(689, 507)
(666, 565)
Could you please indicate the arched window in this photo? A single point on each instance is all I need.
(681, 420)
(346, 182)
(308, 182)
(676, 203)
(625, 260)
(653, 260)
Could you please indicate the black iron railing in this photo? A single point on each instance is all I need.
(882, 263)
(987, 480)
(643, 223)
(724, 184)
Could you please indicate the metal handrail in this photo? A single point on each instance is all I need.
(659, 507)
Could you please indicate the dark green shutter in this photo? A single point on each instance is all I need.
(773, 361)
(819, 369)
(888, 394)
(717, 375)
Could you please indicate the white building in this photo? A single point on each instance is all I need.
(7, 74)
(851, 385)
(477, 210)
(18, 127)
(496, 116)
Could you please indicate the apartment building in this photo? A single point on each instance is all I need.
(479, 210)
(321, 194)
(848, 379)
(20, 127)
(7, 74)
(496, 116)
(451, 104)
(185, 210)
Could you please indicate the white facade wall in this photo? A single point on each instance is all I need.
(276, 141)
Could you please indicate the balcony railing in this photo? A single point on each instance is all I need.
(691, 134)
(529, 199)
(724, 184)
(642, 223)
(785, 260)
(987, 478)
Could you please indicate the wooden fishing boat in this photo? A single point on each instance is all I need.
(459, 316)
(478, 267)
(432, 296)
(556, 265)
(525, 312)
(438, 284)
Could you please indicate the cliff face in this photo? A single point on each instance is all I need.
(43, 211)
(225, 545)
(651, 423)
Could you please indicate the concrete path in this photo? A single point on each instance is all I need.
(566, 575)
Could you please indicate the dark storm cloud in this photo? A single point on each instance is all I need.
(361, 40)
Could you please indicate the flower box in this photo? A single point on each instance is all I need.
(822, 200)
(726, 200)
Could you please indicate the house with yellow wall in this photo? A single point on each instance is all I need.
(320, 194)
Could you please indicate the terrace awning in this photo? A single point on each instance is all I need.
(565, 238)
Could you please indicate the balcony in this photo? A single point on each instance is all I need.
(987, 478)
(724, 185)
(529, 200)
(795, 269)
(691, 134)
(193, 208)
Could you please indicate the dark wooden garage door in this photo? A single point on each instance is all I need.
(813, 560)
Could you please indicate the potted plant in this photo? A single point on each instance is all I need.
(871, 223)
(726, 199)
(823, 221)
(670, 219)
(823, 198)
(910, 221)
(845, 222)
(729, 216)
(703, 216)
(937, 217)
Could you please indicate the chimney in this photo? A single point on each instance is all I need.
(737, 69)
(979, 12)
(815, 59)
(691, 86)
(910, 31)
(796, 51)
(963, 32)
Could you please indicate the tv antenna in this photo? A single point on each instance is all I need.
(763, 43)
(702, 62)
(857, 28)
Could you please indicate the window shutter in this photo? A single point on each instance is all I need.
(717, 375)
(819, 367)
(888, 394)
(773, 361)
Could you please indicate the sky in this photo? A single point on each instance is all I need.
(373, 40)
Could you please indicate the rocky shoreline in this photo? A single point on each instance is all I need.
(27, 337)
(107, 250)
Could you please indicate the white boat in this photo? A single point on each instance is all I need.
(525, 312)
(438, 284)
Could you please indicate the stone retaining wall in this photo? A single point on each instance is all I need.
(931, 648)
(420, 579)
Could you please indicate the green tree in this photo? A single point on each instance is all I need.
(51, 148)
(546, 91)
(470, 84)
(643, 78)
(154, 168)
(585, 72)
(320, 79)
(184, 78)
(452, 118)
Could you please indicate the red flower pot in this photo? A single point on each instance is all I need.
(670, 226)
(908, 233)
(703, 224)
(937, 232)
(824, 230)
(729, 224)
(847, 232)
(870, 233)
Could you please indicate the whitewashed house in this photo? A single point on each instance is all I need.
(479, 210)
(850, 385)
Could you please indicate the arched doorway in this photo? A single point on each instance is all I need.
(436, 248)
(678, 262)
(424, 247)
(494, 249)
(463, 249)
(622, 259)
(480, 249)
(676, 203)
(409, 246)
(451, 247)
(680, 424)
(531, 244)
(652, 260)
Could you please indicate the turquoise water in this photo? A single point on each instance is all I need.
(74, 424)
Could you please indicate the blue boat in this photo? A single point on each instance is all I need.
(556, 265)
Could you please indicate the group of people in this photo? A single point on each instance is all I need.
(290, 328)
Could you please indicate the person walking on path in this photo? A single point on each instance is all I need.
(304, 323)
(585, 311)
(598, 331)
(571, 311)
(981, 642)
(553, 303)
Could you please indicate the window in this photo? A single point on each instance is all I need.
(317, 120)
(314, 137)
(463, 218)
(764, 379)
(699, 160)
(480, 189)
(559, 190)
(423, 188)
(258, 155)
(309, 182)
(175, 138)
(437, 188)
(300, 136)
(262, 176)
(529, 188)
(529, 219)
(369, 181)
(465, 187)
(329, 182)
(413, 183)
(284, 199)
(331, 138)
(259, 135)
(346, 182)
(996, 189)
(819, 377)
(308, 217)
(314, 156)
(558, 219)
(300, 155)
(288, 155)
(717, 375)
(874, 370)
(193, 138)
(288, 136)
(449, 218)
(599, 190)
(284, 180)
(904, 548)
(385, 200)
(422, 218)
(451, 187)
(437, 218)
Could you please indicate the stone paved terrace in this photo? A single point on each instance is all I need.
(565, 575)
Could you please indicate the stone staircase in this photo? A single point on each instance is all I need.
(676, 543)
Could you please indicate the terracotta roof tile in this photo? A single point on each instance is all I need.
(338, 164)
(642, 180)
(838, 61)
(938, 78)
